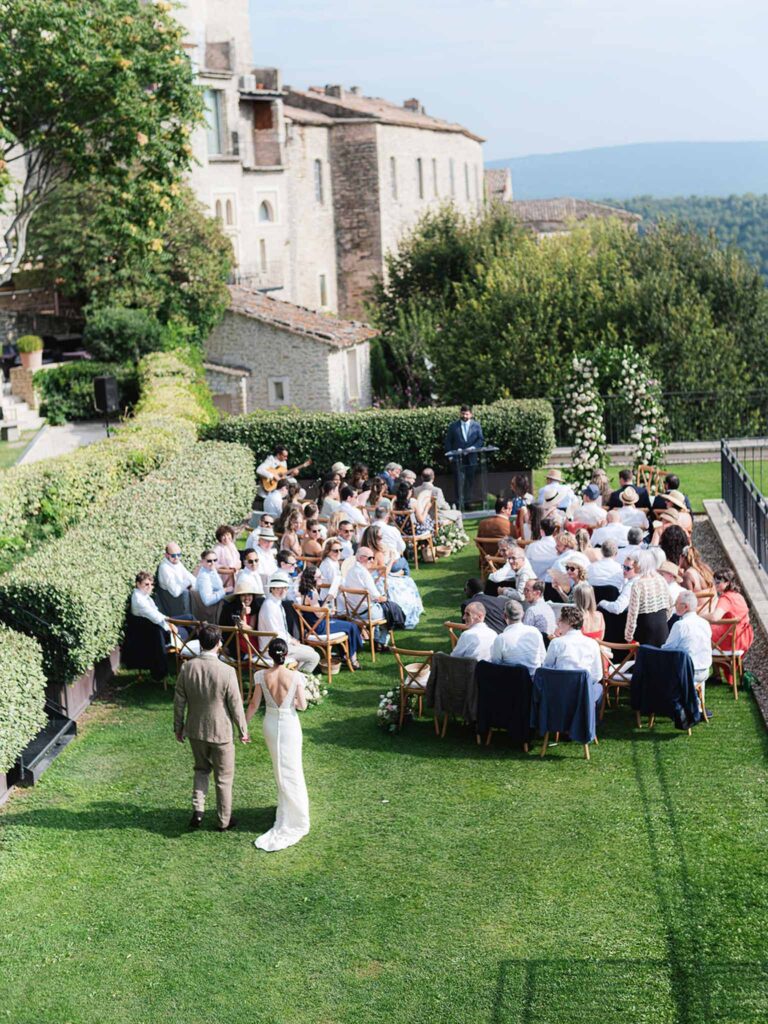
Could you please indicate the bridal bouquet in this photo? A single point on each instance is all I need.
(451, 537)
(388, 715)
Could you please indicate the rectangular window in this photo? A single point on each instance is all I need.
(279, 390)
(420, 177)
(393, 177)
(466, 180)
(452, 177)
(477, 185)
(353, 375)
(318, 172)
(214, 116)
(435, 190)
(323, 290)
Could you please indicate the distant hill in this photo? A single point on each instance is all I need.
(658, 169)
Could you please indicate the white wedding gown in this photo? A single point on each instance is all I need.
(282, 733)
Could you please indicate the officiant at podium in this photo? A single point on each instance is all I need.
(465, 432)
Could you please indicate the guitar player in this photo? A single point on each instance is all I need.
(274, 470)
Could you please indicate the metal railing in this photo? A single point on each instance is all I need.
(692, 416)
(746, 502)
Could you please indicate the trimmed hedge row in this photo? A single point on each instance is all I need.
(522, 430)
(22, 694)
(78, 585)
(59, 492)
(66, 392)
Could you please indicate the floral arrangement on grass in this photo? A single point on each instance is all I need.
(388, 714)
(314, 691)
(583, 415)
(651, 424)
(451, 537)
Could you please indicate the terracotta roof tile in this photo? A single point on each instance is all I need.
(565, 209)
(306, 116)
(298, 319)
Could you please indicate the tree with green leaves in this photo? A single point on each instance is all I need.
(97, 93)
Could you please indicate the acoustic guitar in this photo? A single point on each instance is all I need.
(269, 483)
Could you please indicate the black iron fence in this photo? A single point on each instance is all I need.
(746, 501)
(692, 416)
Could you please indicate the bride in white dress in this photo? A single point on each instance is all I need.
(283, 693)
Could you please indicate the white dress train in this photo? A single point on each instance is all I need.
(282, 734)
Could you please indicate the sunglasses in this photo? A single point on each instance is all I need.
(370, 558)
(210, 561)
(627, 568)
(251, 561)
(570, 568)
(175, 554)
(336, 550)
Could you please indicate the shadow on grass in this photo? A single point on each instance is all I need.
(110, 815)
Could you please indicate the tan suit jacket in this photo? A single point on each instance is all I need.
(436, 492)
(208, 690)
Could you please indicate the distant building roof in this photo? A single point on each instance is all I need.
(342, 104)
(306, 116)
(554, 214)
(298, 319)
(498, 184)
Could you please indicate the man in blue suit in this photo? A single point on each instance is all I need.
(465, 432)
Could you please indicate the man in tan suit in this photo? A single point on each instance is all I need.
(208, 688)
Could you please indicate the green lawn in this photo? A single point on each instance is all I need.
(11, 451)
(441, 882)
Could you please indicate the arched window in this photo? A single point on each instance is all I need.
(230, 213)
(318, 180)
(219, 216)
(393, 177)
(266, 213)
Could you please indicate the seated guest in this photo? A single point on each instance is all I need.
(519, 493)
(338, 469)
(613, 530)
(310, 511)
(584, 545)
(175, 583)
(518, 644)
(603, 484)
(241, 608)
(293, 528)
(272, 619)
(210, 588)
(266, 552)
(672, 576)
(359, 578)
(677, 502)
(390, 476)
(267, 522)
(629, 512)
(499, 524)
(147, 631)
(671, 483)
(329, 498)
(494, 606)
(345, 534)
(359, 477)
(649, 605)
(673, 542)
(377, 496)
(576, 574)
(511, 578)
(584, 599)
(329, 570)
(400, 589)
(543, 552)
(250, 571)
(591, 513)
(419, 508)
(310, 544)
(228, 556)
(626, 479)
(606, 572)
(668, 518)
(556, 574)
(565, 495)
(349, 506)
(538, 613)
(392, 538)
(408, 477)
(697, 575)
(274, 501)
(288, 564)
(477, 640)
(619, 606)
(309, 595)
(730, 605)
(529, 520)
(691, 633)
(570, 650)
(634, 543)
(445, 513)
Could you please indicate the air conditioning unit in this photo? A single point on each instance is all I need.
(247, 83)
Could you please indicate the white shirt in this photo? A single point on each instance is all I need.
(517, 579)
(590, 513)
(540, 615)
(630, 551)
(328, 572)
(575, 652)
(252, 577)
(391, 537)
(354, 515)
(359, 578)
(675, 590)
(143, 606)
(210, 589)
(330, 505)
(633, 517)
(272, 620)
(475, 642)
(266, 469)
(519, 645)
(567, 496)
(605, 572)
(273, 503)
(541, 554)
(267, 562)
(622, 601)
(175, 578)
(693, 634)
(613, 531)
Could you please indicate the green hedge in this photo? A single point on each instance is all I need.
(56, 493)
(522, 430)
(78, 585)
(66, 392)
(22, 694)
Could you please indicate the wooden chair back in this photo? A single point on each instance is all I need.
(185, 649)
(725, 654)
(617, 669)
(454, 628)
(308, 632)
(404, 521)
(651, 477)
(357, 607)
(414, 668)
(707, 598)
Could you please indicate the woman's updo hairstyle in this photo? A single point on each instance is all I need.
(278, 650)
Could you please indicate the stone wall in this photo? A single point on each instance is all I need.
(355, 169)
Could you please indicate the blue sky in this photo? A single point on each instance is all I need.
(534, 76)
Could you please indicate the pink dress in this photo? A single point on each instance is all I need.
(229, 558)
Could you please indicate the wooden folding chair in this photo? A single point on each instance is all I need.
(725, 655)
(230, 652)
(617, 674)
(486, 549)
(413, 677)
(651, 478)
(453, 629)
(185, 649)
(358, 608)
(326, 641)
(254, 658)
(707, 599)
(406, 524)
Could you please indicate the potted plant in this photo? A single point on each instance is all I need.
(31, 351)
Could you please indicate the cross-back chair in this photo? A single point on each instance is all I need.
(404, 521)
(326, 641)
(617, 670)
(454, 628)
(651, 478)
(414, 675)
(725, 655)
(357, 607)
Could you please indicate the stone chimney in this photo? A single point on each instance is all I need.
(337, 91)
(413, 105)
(355, 90)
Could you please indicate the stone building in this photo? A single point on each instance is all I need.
(547, 217)
(267, 353)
